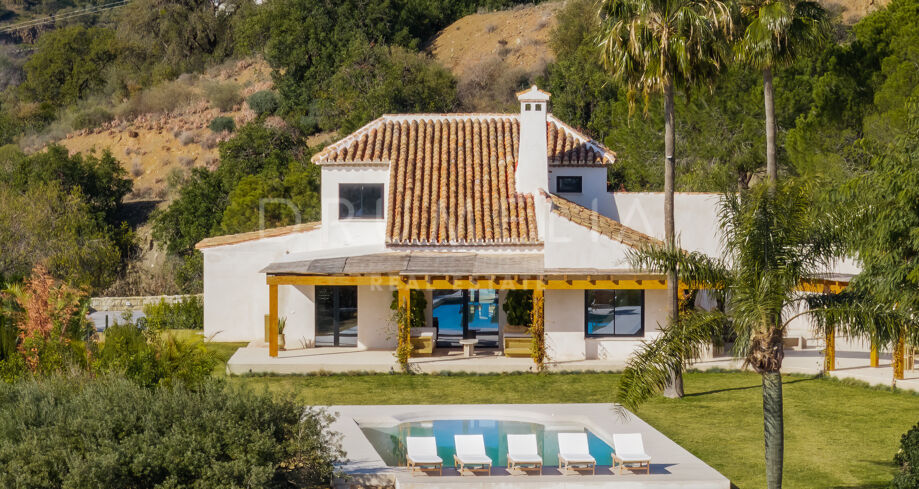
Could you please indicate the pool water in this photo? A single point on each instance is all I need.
(389, 442)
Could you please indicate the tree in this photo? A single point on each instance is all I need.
(376, 80)
(778, 32)
(657, 46)
(776, 242)
(69, 64)
(882, 206)
(48, 226)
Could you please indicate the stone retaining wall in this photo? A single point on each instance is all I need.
(133, 303)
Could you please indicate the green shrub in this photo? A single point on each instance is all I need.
(222, 123)
(419, 305)
(262, 103)
(111, 433)
(223, 96)
(907, 458)
(519, 307)
(187, 313)
(92, 117)
(151, 358)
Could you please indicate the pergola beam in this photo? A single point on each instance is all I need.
(428, 282)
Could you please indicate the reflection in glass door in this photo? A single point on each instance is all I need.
(336, 316)
(466, 314)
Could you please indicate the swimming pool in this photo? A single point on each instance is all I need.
(389, 441)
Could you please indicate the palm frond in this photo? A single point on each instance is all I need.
(697, 269)
(858, 315)
(649, 368)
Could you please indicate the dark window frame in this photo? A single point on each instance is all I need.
(587, 334)
(558, 184)
(381, 211)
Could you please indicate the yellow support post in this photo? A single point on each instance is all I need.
(538, 330)
(404, 332)
(898, 361)
(272, 320)
(874, 354)
(829, 354)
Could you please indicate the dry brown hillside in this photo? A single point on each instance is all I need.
(151, 145)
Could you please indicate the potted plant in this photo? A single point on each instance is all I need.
(518, 305)
(282, 323)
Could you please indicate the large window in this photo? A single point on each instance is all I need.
(614, 313)
(360, 201)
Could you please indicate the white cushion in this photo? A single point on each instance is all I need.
(474, 459)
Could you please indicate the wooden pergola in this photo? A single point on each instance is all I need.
(425, 270)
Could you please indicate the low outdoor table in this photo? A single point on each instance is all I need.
(469, 346)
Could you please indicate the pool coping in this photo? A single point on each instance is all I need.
(672, 465)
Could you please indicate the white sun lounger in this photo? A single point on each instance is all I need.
(470, 450)
(421, 454)
(522, 453)
(630, 453)
(574, 454)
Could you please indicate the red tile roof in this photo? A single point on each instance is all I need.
(452, 175)
(595, 221)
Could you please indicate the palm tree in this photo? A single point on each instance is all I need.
(774, 242)
(777, 33)
(656, 47)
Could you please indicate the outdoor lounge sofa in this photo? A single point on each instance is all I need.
(573, 453)
(421, 454)
(630, 453)
(522, 453)
(470, 450)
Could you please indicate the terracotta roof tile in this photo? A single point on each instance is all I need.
(595, 221)
(452, 178)
(230, 239)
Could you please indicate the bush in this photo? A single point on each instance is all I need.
(519, 307)
(187, 313)
(162, 98)
(152, 359)
(91, 118)
(222, 123)
(186, 138)
(907, 458)
(262, 103)
(110, 433)
(223, 96)
(418, 305)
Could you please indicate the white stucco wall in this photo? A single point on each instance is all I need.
(695, 217)
(593, 187)
(564, 325)
(374, 329)
(570, 245)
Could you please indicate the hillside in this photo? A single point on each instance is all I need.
(518, 36)
(151, 145)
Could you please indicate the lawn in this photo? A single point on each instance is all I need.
(837, 435)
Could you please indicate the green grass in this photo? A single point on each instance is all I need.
(837, 434)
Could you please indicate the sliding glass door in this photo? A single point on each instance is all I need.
(466, 314)
(336, 316)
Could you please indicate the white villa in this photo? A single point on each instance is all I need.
(463, 207)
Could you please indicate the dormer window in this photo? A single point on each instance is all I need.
(360, 201)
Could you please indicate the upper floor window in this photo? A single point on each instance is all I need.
(526, 106)
(360, 201)
(538, 107)
(568, 184)
(614, 313)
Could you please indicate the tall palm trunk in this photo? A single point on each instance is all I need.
(772, 170)
(773, 428)
(675, 387)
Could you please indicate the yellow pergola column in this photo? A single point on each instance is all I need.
(874, 354)
(829, 354)
(538, 327)
(405, 304)
(899, 362)
(272, 320)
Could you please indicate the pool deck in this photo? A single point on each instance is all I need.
(671, 465)
(254, 359)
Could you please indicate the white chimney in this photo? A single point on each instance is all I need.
(533, 164)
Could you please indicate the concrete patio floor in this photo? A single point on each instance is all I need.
(671, 465)
(254, 359)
